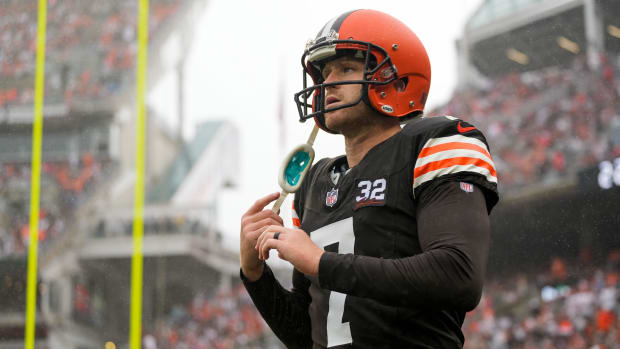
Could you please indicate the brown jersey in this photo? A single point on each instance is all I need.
(406, 235)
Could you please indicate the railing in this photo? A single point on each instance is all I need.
(160, 219)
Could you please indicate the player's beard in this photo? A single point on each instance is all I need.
(350, 121)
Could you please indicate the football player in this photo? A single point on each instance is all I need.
(391, 239)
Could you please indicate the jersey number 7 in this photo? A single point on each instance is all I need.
(341, 233)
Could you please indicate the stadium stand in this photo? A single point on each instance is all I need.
(548, 124)
(66, 187)
(90, 64)
(551, 113)
(90, 45)
(224, 320)
(567, 306)
(545, 122)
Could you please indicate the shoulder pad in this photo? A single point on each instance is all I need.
(450, 148)
(425, 124)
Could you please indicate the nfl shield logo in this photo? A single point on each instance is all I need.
(331, 198)
(467, 187)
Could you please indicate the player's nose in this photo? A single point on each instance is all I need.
(331, 78)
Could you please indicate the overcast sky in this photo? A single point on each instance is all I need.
(244, 49)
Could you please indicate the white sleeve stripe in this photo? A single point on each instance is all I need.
(454, 153)
(456, 138)
(453, 169)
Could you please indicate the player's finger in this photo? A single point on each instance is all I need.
(262, 224)
(270, 228)
(265, 214)
(258, 236)
(262, 202)
(267, 235)
(260, 242)
(277, 217)
(267, 246)
(253, 218)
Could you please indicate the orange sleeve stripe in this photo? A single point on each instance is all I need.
(295, 217)
(452, 146)
(436, 165)
(293, 212)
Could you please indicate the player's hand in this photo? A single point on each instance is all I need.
(253, 223)
(293, 245)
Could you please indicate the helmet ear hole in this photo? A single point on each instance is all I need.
(401, 84)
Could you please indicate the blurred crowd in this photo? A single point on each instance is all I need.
(90, 47)
(88, 305)
(543, 125)
(566, 307)
(222, 321)
(64, 187)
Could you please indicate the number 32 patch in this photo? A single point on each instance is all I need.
(370, 193)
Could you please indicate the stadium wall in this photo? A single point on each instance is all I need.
(572, 223)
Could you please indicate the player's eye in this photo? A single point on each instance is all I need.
(325, 73)
(340, 69)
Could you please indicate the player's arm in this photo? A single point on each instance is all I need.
(453, 228)
(286, 312)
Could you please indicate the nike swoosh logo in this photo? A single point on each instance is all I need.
(464, 129)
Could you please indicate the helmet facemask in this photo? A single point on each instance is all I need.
(318, 54)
